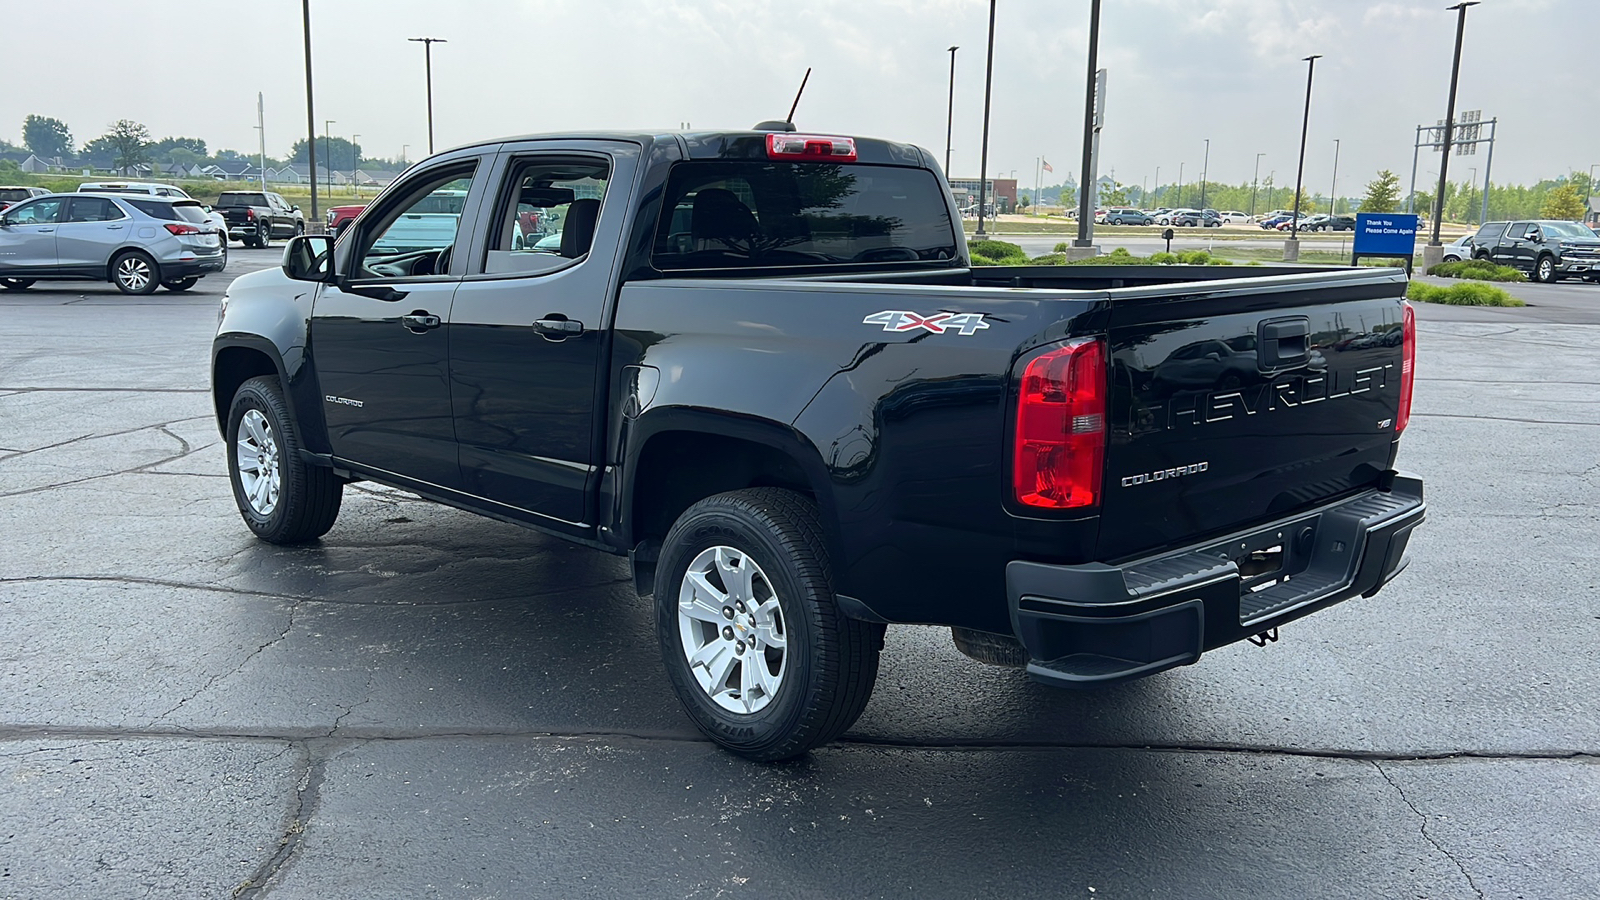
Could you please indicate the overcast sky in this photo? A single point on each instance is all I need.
(1180, 71)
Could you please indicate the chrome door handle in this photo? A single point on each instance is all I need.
(554, 329)
(420, 322)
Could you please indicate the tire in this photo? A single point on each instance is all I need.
(182, 284)
(299, 228)
(826, 664)
(17, 284)
(297, 502)
(1544, 270)
(263, 234)
(134, 272)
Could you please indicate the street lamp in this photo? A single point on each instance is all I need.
(1472, 184)
(1086, 188)
(427, 57)
(950, 116)
(1434, 251)
(311, 115)
(1333, 202)
(1180, 184)
(1291, 247)
(983, 160)
(355, 162)
(1254, 181)
(1205, 169)
(327, 150)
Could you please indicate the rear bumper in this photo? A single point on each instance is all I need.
(1095, 624)
(192, 268)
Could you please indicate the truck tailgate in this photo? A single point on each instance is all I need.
(1234, 402)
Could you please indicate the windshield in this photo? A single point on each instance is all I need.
(748, 214)
(1566, 229)
(242, 200)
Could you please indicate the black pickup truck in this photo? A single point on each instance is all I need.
(1547, 250)
(759, 364)
(256, 217)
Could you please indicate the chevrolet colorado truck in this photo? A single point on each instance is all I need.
(760, 365)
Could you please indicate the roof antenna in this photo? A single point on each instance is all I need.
(797, 94)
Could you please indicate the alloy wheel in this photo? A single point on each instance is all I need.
(732, 631)
(256, 449)
(133, 273)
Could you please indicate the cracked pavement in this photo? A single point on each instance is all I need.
(430, 704)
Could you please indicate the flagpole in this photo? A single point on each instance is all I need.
(1037, 174)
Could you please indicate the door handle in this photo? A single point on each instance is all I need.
(420, 321)
(113, 227)
(556, 327)
(47, 231)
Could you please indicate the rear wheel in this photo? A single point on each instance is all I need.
(135, 273)
(16, 284)
(182, 284)
(1544, 270)
(754, 643)
(263, 234)
(281, 498)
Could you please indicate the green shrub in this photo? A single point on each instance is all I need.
(1467, 293)
(978, 259)
(1477, 270)
(1194, 257)
(1049, 259)
(995, 249)
(1163, 258)
(1062, 247)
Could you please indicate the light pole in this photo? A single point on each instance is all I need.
(427, 61)
(1472, 184)
(403, 149)
(950, 116)
(1158, 180)
(983, 161)
(355, 162)
(1333, 202)
(1205, 169)
(311, 117)
(1434, 252)
(1291, 247)
(1086, 189)
(327, 150)
(1254, 181)
(1180, 185)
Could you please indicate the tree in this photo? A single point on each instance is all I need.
(46, 137)
(1114, 196)
(337, 154)
(1383, 193)
(129, 142)
(162, 149)
(1563, 203)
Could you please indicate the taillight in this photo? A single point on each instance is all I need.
(1408, 366)
(811, 147)
(1061, 427)
(181, 228)
(250, 214)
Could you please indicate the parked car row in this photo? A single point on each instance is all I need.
(137, 242)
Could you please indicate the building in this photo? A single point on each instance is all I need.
(1592, 217)
(1000, 191)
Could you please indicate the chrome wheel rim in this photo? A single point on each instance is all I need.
(133, 273)
(1545, 268)
(256, 451)
(732, 630)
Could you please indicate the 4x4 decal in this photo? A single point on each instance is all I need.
(900, 320)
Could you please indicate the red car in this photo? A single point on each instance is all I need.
(340, 216)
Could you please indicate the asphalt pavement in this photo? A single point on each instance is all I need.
(431, 704)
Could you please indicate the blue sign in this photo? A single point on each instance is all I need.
(1385, 234)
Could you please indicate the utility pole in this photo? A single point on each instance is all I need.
(1434, 251)
(1180, 186)
(1084, 245)
(1158, 180)
(1205, 170)
(950, 115)
(327, 150)
(427, 61)
(983, 161)
(1291, 247)
(311, 118)
(1254, 182)
(261, 126)
(355, 162)
(1333, 202)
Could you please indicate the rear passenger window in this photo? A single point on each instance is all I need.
(548, 215)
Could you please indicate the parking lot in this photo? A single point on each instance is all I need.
(431, 704)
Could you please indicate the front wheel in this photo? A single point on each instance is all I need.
(755, 645)
(16, 284)
(1544, 271)
(282, 499)
(135, 273)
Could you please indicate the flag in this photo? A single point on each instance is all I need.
(1046, 164)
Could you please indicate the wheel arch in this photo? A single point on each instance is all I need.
(680, 457)
(237, 360)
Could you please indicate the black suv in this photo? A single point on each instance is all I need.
(1547, 249)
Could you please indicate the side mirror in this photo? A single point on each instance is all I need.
(294, 209)
(1536, 236)
(309, 257)
(1214, 356)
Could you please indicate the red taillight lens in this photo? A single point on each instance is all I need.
(811, 147)
(181, 228)
(249, 214)
(1408, 367)
(1061, 427)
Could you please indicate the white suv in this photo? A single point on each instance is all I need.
(157, 190)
